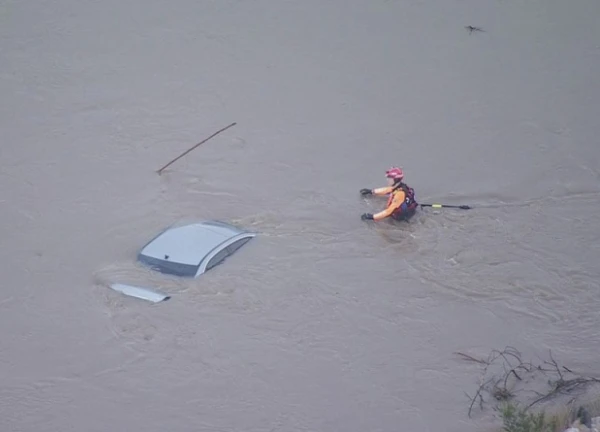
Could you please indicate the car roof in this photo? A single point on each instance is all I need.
(189, 244)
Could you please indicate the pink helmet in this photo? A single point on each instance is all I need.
(395, 173)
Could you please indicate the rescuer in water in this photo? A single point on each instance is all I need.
(401, 204)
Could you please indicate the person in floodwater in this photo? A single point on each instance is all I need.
(401, 204)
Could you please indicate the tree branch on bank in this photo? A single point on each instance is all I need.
(505, 375)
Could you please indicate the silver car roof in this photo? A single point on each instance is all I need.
(190, 244)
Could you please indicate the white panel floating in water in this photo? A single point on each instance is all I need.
(141, 293)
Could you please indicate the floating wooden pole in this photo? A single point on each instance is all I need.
(201, 142)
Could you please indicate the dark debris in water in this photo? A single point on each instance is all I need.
(474, 29)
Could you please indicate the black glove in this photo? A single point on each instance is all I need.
(366, 191)
(366, 216)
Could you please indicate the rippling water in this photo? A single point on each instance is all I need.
(323, 322)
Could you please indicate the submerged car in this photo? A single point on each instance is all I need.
(187, 251)
(190, 250)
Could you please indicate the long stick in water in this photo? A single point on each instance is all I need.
(201, 142)
(462, 207)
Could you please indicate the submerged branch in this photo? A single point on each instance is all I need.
(499, 385)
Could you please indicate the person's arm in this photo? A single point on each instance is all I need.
(382, 190)
(396, 203)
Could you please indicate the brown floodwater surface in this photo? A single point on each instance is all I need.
(323, 322)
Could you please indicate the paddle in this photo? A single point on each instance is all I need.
(462, 207)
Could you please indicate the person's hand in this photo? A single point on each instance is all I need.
(367, 216)
(366, 191)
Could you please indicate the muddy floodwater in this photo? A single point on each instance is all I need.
(323, 322)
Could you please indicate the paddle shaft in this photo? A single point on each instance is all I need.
(462, 207)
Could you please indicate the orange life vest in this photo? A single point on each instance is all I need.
(408, 206)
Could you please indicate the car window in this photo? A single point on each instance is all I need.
(217, 259)
(236, 245)
(169, 267)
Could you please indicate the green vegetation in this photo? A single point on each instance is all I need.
(516, 419)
